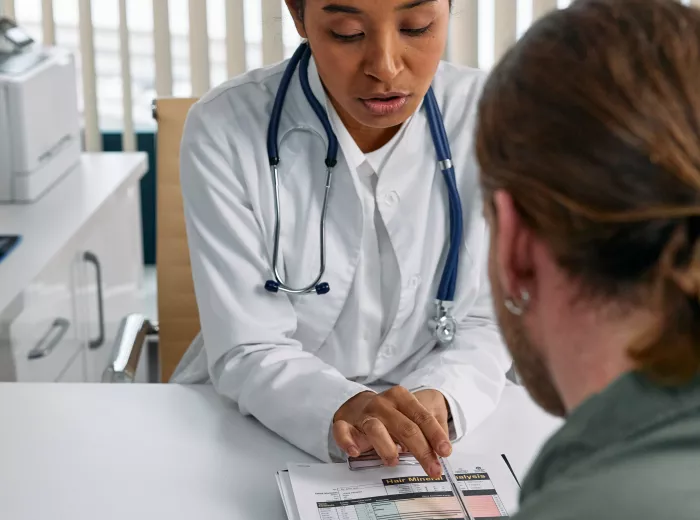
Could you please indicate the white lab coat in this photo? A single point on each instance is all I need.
(272, 353)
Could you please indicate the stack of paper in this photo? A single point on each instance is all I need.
(334, 492)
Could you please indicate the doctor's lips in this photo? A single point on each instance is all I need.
(385, 104)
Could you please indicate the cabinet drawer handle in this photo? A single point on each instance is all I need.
(92, 259)
(53, 337)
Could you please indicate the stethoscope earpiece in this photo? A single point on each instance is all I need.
(272, 286)
(323, 288)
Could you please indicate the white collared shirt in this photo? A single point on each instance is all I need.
(375, 292)
(376, 288)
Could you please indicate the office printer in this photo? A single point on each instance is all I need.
(39, 117)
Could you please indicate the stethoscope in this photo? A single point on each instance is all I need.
(443, 324)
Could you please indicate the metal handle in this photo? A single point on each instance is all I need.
(134, 331)
(48, 342)
(92, 259)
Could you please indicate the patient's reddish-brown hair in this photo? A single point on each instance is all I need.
(592, 123)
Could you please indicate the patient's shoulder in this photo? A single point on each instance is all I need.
(629, 491)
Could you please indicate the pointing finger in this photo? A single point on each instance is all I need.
(432, 429)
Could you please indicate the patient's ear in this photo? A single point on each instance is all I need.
(513, 245)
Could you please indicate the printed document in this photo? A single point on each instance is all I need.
(334, 492)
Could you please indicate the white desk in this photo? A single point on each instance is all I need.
(137, 452)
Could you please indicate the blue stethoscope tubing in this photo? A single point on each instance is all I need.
(443, 323)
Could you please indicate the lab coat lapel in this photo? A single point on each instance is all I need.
(318, 314)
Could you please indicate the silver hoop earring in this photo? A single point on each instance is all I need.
(518, 309)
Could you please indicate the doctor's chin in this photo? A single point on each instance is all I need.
(348, 259)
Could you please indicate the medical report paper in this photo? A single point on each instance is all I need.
(334, 492)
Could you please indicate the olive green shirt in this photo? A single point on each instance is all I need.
(630, 452)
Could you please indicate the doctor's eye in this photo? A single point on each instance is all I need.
(417, 32)
(347, 37)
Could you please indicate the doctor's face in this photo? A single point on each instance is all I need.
(376, 58)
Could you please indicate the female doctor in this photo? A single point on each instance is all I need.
(298, 320)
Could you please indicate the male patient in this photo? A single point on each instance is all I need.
(589, 144)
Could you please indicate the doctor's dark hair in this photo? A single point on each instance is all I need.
(592, 123)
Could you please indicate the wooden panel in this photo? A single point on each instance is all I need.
(178, 315)
(128, 137)
(93, 139)
(162, 48)
(235, 38)
(463, 47)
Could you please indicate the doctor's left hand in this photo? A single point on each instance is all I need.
(417, 422)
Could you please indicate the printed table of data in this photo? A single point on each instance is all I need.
(416, 498)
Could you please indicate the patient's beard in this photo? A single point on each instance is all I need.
(528, 360)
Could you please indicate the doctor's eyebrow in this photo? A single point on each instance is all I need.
(338, 8)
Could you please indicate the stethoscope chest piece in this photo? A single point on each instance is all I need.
(443, 325)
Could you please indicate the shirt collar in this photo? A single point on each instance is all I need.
(629, 406)
(352, 153)
(315, 82)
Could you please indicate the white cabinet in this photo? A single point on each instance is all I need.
(111, 275)
(62, 323)
(39, 329)
(75, 372)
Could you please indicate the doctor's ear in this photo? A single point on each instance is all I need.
(513, 244)
(296, 9)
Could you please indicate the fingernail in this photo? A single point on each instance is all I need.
(435, 470)
(445, 449)
(353, 451)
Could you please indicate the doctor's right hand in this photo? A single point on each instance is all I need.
(380, 421)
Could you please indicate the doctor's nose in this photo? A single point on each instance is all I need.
(383, 60)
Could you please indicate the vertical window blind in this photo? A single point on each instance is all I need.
(129, 52)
